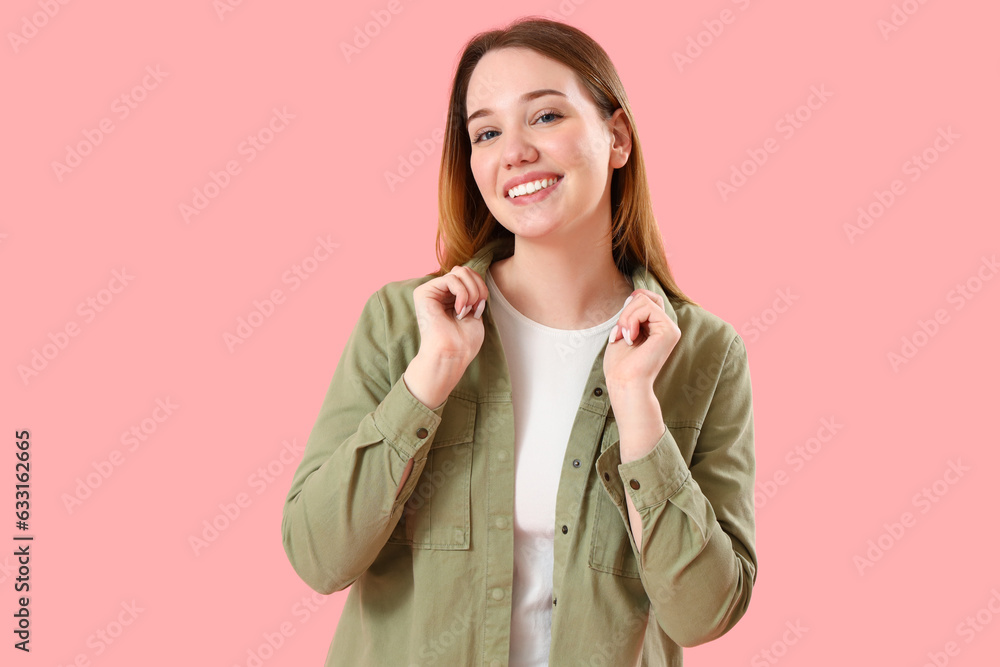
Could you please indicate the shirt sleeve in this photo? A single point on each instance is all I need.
(343, 505)
(698, 561)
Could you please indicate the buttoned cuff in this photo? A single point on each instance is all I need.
(649, 480)
(406, 424)
(655, 477)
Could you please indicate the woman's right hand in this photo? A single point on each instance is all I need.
(446, 332)
(448, 343)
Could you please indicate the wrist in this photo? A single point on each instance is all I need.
(636, 443)
(633, 404)
(640, 423)
(431, 380)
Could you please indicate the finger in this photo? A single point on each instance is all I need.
(482, 291)
(478, 292)
(628, 321)
(615, 330)
(458, 286)
(641, 311)
(473, 290)
(653, 296)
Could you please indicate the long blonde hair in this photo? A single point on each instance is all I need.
(465, 223)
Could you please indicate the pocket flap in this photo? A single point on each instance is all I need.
(458, 423)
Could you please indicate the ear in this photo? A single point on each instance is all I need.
(621, 138)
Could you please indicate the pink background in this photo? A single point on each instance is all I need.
(161, 336)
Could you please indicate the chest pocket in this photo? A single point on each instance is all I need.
(437, 513)
(610, 548)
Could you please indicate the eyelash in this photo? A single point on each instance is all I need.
(479, 134)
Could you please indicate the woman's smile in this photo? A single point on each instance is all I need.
(536, 196)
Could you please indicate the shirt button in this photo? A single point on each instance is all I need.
(501, 455)
(576, 463)
(565, 530)
(598, 392)
(496, 663)
(607, 477)
(498, 594)
(459, 534)
(500, 522)
(634, 483)
(421, 432)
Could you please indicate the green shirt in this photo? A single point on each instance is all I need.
(431, 569)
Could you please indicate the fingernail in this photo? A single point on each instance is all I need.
(628, 337)
(464, 311)
(627, 300)
(611, 338)
(480, 308)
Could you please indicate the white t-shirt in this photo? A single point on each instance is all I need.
(548, 370)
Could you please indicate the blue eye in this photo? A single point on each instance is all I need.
(479, 136)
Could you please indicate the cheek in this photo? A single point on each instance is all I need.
(589, 169)
(481, 173)
(583, 153)
(594, 149)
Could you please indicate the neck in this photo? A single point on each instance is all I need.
(566, 283)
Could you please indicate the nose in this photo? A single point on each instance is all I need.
(518, 148)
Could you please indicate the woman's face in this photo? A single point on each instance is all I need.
(518, 134)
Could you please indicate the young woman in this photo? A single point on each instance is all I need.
(543, 453)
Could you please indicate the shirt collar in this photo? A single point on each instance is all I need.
(504, 247)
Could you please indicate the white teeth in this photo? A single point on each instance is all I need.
(528, 188)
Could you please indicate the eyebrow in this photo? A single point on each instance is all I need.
(527, 97)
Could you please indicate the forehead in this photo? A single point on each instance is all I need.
(502, 75)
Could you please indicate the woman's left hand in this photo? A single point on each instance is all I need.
(653, 335)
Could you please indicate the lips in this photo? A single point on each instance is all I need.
(536, 196)
(528, 178)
